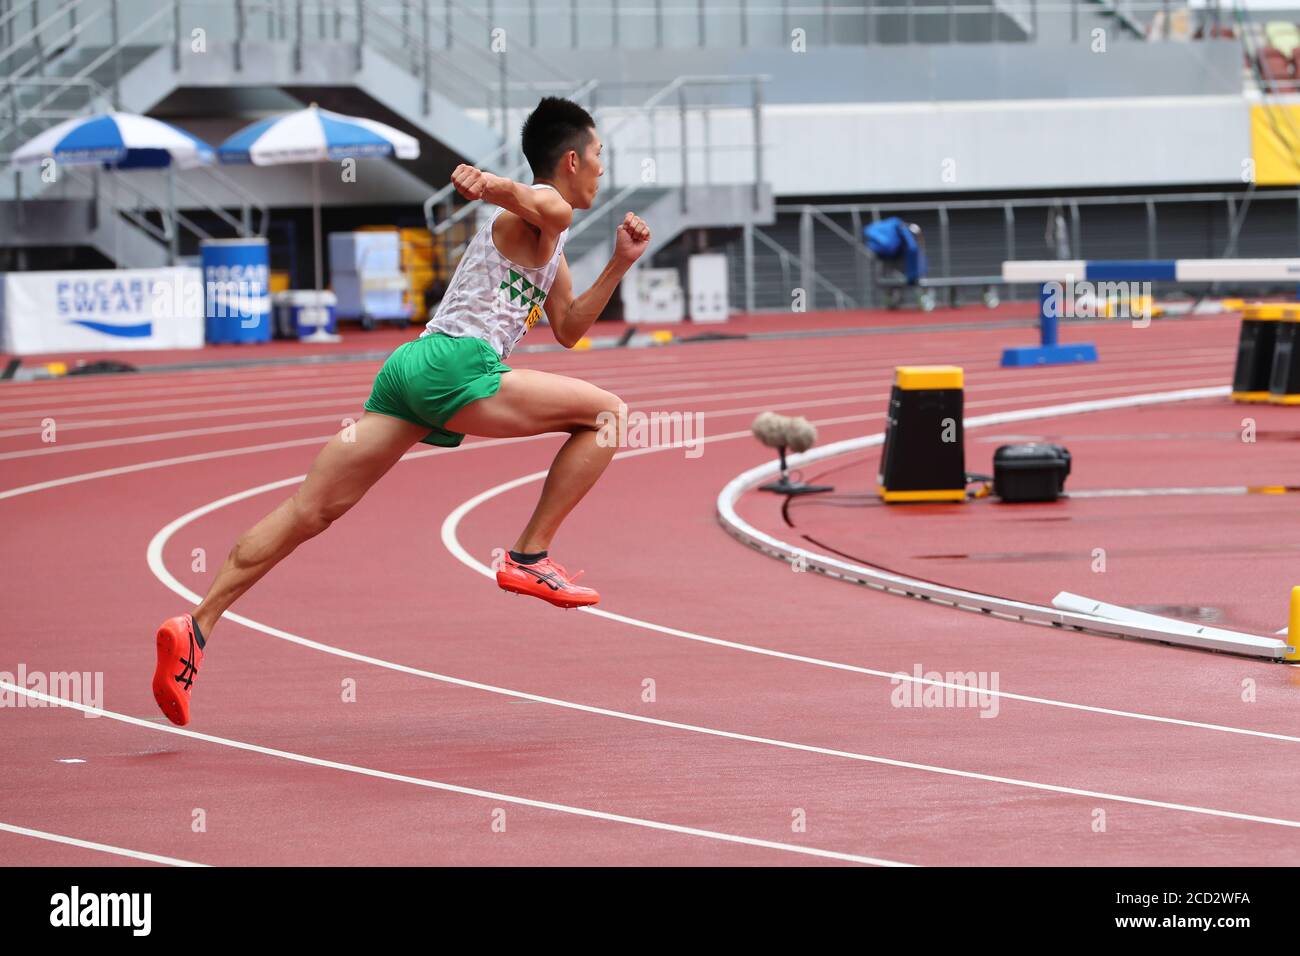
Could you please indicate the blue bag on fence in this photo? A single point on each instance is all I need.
(891, 239)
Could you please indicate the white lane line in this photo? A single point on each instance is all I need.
(88, 845)
(632, 374)
(182, 388)
(275, 446)
(456, 788)
(333, 388)
(798, 384)
(629, 374)
(158, 463)
(229, 412)
(913, 679)
(653, 363)
(247, 450)
(796, 402)
(358, 397)
(165, 436)
(18, 395)
(452, 542)
(154, 556)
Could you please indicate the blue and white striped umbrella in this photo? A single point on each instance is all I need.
(117, 141)
(315, 135)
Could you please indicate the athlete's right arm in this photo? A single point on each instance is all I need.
(543, 208)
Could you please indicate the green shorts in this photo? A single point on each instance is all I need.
(428, 380)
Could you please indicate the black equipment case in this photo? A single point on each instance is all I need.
(1032, 472)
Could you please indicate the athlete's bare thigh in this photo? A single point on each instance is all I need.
(530, 402)
(353, 460)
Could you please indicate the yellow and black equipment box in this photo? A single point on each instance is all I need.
(1255, 346)
(1284, 383)
(924, 458)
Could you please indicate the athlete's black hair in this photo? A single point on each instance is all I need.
(555, 127)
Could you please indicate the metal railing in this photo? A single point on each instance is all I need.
(403, 31)
(497, 160)
(48, 34)
(672, 99)
(809, 277)
(779, 23)
(25, 121)
(489, 31)
(821, 246)
(682, 110)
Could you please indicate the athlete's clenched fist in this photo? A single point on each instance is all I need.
(470, 181)
(632, 239)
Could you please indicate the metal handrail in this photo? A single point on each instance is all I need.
(486, 162)
(62, 42)
(369, 39)
(135, 216)
(679, 83)
(145, 201)
(610, 203)
(235, 224)
(539, 60)
(36, 31)
(1236, 201)
(788, 257)
(635, 113)
(839, 231)
(111, 51)
(248, 202)
(22, 115)
(413, 41)
(1027, 202)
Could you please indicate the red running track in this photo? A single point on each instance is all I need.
(491, 730)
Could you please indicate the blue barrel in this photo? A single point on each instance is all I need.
(236, 290)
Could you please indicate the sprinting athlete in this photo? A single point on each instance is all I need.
(451, 382)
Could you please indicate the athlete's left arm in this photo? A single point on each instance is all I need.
(570, 317)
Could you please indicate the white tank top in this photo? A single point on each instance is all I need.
(492, 298)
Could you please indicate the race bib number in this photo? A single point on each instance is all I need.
(534, 314)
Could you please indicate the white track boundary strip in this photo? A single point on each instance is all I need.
(1248, 644)
(88, 845)
(1115, 612)
(465, 791)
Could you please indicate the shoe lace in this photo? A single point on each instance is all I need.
(563, 573)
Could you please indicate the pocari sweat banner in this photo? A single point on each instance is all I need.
(102, 310)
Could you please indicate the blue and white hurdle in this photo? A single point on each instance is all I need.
(1050, 350)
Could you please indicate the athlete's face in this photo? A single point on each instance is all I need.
(590, 169)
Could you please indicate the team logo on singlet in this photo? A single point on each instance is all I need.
(517, 290)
